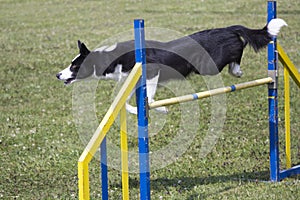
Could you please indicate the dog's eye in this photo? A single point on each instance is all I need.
(74, 67)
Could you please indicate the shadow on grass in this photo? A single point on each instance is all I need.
(189, 183)
(183, 183)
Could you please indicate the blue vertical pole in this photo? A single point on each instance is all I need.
(104, 176)
(273, 100)
(142, 104)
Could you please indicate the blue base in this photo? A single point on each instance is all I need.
(290, 172)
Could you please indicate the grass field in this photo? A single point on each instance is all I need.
(40, 142)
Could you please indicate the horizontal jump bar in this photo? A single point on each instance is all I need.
(209, 93)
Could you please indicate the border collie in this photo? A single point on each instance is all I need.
(206, 53)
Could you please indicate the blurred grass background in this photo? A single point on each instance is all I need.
(39, 142)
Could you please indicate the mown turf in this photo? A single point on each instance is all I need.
(40, 142)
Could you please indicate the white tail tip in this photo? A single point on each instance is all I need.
(275, 25)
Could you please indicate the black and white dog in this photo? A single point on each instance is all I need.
(206, 53)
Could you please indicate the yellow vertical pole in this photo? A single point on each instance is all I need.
(124, 154)
(83, 181)
(285, 60)
(287, 116)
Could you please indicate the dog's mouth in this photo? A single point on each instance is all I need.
(69, 81)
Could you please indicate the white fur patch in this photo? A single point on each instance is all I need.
(111, 48)
(100, 49)
(75, 58)
(106, 48)
(65, 74)
(95, 74)
(275, 25)
(117, 74)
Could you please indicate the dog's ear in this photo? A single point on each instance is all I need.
(79, 44)
(82, 48)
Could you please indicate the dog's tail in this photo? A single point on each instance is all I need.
(259, 38)
(275, 25)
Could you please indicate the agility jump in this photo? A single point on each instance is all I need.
(138, 76)
(209, 93)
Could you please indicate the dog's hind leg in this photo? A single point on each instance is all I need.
(235, 69)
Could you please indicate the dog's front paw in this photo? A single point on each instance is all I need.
(131, 109)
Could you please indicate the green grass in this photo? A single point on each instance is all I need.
(40, 143)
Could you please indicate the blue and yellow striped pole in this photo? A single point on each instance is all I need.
(142, 106)
(273, 101)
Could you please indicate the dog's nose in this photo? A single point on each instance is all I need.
(58, 75)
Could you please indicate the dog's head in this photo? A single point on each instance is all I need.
(69, 74)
